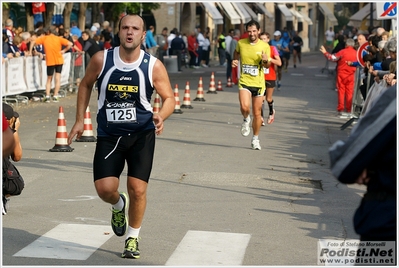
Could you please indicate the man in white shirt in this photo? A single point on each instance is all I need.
(229, 57)
(201, 42)
(330, 35)
(171, 36)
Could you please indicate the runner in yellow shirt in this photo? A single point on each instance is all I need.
(254, 55)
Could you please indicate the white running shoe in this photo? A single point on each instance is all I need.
(255, 144)
(245, 129)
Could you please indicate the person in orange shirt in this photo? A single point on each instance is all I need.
(270, 77)
(54, 60)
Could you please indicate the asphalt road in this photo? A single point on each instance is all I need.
(273, 205)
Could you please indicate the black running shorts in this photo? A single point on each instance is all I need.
(57, 68)
(137, 150)
(270, 83)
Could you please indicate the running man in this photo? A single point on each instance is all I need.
(298, 43)
(270, 78)
(126, 125)
(254, 55)
(282, 47)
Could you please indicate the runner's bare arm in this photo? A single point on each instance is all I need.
(162, 86)
(84, 93)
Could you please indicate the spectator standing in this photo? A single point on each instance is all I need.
(177, 45)
(54, 60)
(15, 48)
(78, 63)
(339, 45)
(150, 41)
(233, 45)
(222, 49)
(201, 41)
(162, 41)
(345, 74)
(89, 45)
(171, 36)
(206, 50)
(329, 37)
(229, 58)
(107, 41)
(129, 136)
(75, 30)
(192, 49)
(65, 33)
(9, 31)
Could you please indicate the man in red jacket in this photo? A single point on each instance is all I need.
(192, 46)
(345, 74)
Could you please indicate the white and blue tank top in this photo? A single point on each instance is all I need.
(124, 95)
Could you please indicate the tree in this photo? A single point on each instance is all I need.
(113, 11)
(82, 16)
(67, 15)
(6, 11)
(29, 17)
(48, 15)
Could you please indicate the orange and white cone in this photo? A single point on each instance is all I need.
(212, 88)
(177, 99)
(157, 104)
(229, 83)
(219, 88)
(200, 91)
(187, 99)
(87, 135)
(61, 137)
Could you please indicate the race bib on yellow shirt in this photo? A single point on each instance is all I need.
(250, 69)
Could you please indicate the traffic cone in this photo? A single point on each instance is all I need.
(200, 91)
(177, 99)
(212, 88)
(219, 88)
(229, 84)
(61, 137)
(87, 135)
(186, 99)
(157, 104)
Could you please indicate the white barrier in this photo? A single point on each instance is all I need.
(15, 82)
(3, 77)
(29, 74)
(32, 73)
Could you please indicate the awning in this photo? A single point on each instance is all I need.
(328, 14)
(262, 9)
(253, 15)
(286, 12)
(308, 20)
(242, 11)
(301, 17)
(230, 12)
(358, 17)
(213, 12)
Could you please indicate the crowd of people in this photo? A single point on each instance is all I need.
(378, 67)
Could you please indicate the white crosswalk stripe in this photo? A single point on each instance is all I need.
(68, 242)
(200, 248)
